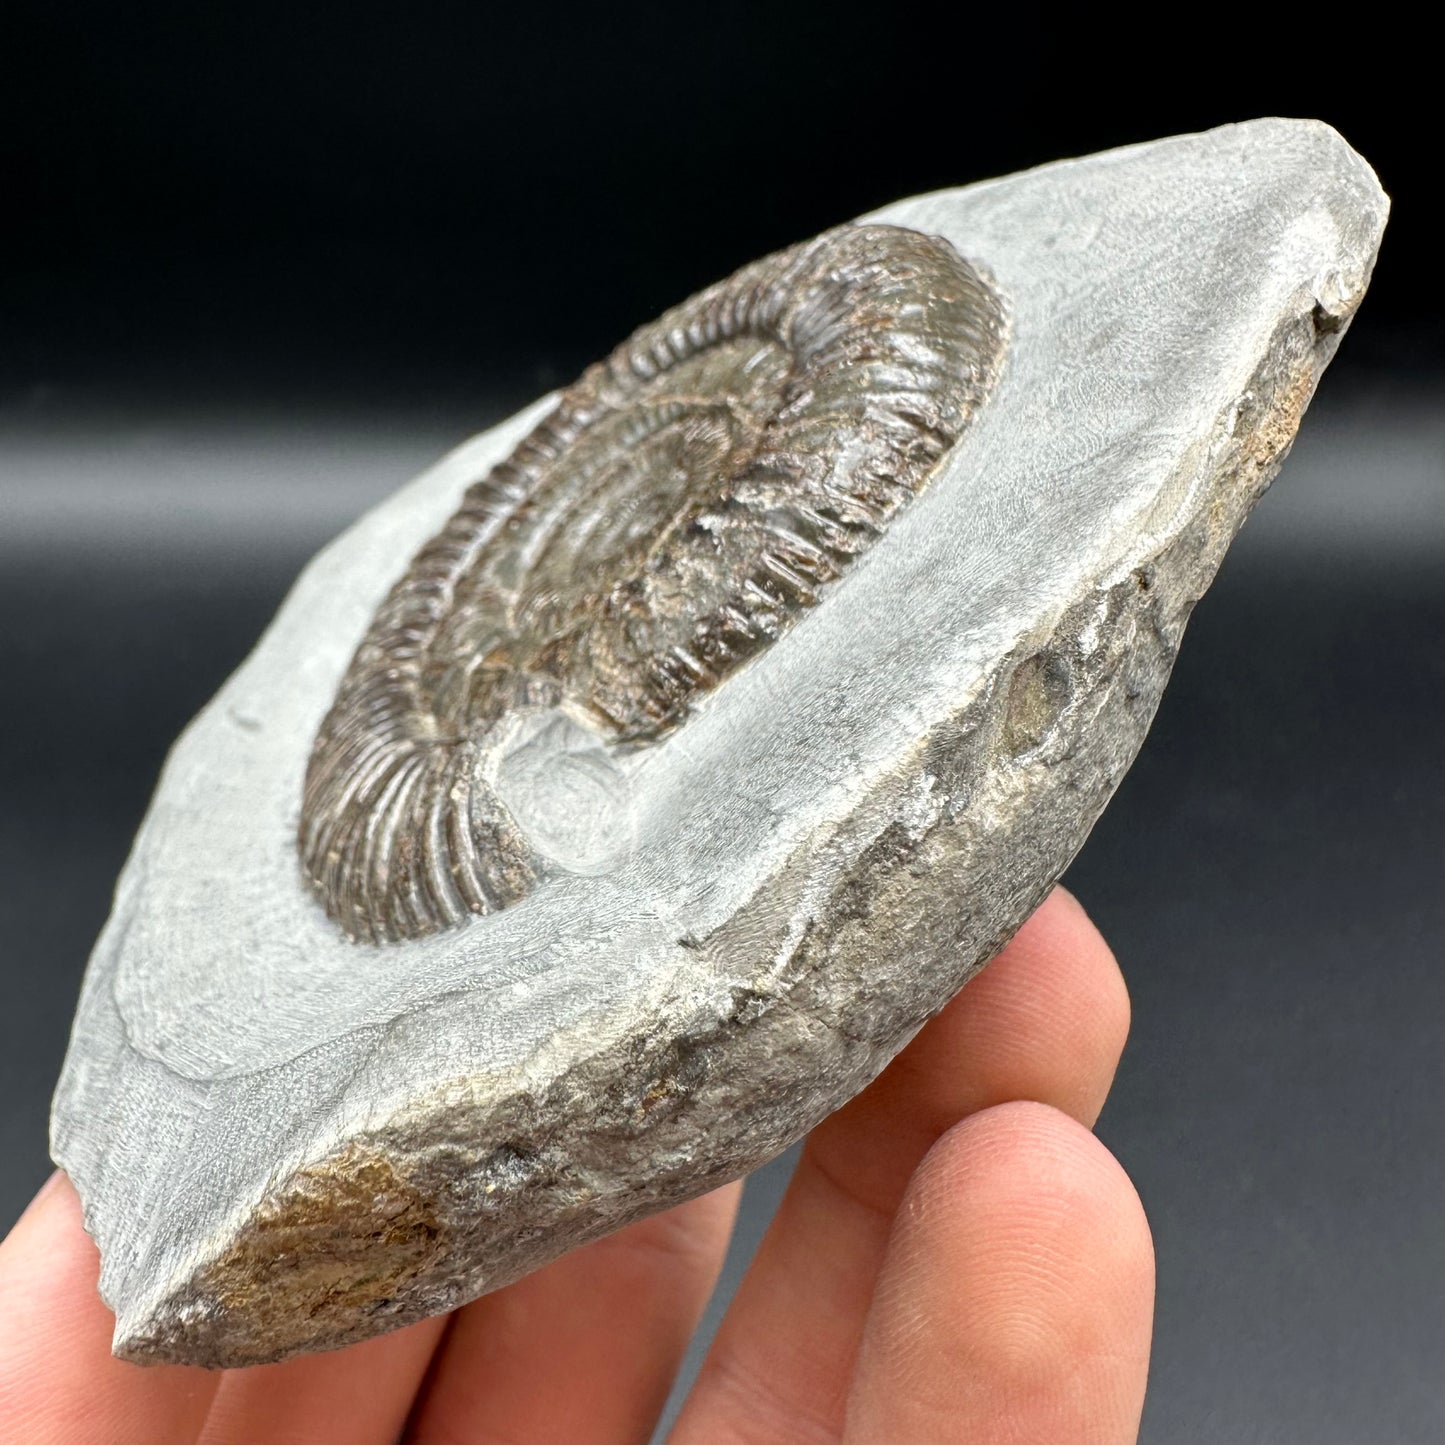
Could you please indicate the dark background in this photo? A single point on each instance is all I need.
(260, 263)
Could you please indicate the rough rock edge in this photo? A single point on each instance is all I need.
(441, 1203)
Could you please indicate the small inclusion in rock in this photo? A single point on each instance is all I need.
(566, 792)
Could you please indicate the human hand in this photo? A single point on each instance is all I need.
(957, 1258)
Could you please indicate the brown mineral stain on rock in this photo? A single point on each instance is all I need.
(1037, 695)
(1264, 427)
(339, 1241)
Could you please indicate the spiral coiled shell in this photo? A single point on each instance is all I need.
(681, 505)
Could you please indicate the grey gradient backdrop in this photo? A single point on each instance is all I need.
(231, 318)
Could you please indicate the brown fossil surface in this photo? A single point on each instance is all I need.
(666, 520)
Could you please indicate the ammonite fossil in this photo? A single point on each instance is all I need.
(682, 503)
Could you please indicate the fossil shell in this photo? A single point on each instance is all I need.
(680, 506)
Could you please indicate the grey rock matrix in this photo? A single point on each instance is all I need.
(617, 799)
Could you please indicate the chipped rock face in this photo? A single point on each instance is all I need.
(616, 800)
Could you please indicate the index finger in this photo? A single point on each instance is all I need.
(59, 1382)
(1046, 1021)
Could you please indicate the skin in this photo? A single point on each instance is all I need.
(957, 1258)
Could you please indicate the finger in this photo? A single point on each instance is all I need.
(1017, 1296)
(356, 1396)
(59, 1382)
(585, 1349)
(1046, 1021)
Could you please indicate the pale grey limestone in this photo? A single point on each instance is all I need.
(286, 1141)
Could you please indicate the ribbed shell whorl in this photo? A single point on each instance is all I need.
(685, 501)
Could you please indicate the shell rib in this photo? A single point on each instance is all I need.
(683, 503)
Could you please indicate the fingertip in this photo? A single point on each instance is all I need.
(1061, 928)
(1049, 1018)
(49, 1264)
(1033, 1189)
(58, 1379)
(51, 1195)
(1017, 1293)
